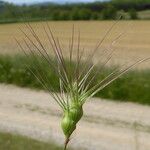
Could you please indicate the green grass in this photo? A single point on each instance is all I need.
(134, 86)
(17, 142)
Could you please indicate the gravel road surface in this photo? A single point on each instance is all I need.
(107, 125)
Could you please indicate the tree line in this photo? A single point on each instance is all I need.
(89, 11)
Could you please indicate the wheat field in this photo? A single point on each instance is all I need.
(133, 44)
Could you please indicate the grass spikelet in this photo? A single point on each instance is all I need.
(76, 73)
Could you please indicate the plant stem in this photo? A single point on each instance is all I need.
(66, 143)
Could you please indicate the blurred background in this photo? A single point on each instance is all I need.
(122, 119)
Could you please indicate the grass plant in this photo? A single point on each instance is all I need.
(126, 88)
(77, 74)
(10, 141)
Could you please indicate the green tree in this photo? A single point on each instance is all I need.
(56, 15)
(95, 16)
(75, 14)
(64, 15)
(85, 14)
(133, 14)
(109, 12)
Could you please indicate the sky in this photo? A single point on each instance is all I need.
(33, 1)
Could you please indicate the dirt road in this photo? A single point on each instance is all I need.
(106, 125)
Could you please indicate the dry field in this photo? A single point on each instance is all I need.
(133, 44)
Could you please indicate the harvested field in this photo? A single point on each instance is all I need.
(134, 44)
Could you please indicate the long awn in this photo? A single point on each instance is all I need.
(76, 74)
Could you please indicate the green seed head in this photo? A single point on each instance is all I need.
(68, 125)
(76, 112)
(71, 118)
